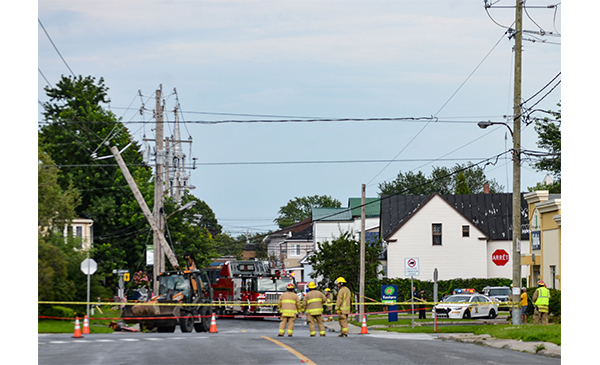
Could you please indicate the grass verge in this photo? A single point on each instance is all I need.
(527, 332)
(98, 323)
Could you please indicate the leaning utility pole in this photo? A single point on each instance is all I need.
(516, 234)
(159, 264)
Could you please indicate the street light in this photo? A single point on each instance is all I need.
(484, 125)
(184, 207)
(516, 196)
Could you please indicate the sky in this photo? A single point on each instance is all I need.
(449, 63)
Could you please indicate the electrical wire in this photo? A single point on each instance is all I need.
(56, 48)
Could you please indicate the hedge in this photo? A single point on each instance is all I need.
(373, 290)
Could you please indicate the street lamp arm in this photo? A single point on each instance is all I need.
(484, 125)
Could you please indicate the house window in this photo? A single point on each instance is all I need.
(294, 250)
(465, 231)
(436, 229)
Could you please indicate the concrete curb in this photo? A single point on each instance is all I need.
(547, 349)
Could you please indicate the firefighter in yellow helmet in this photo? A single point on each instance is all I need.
(328, 304)
(289, 306)
(342, 305)
(541, 302)
(313, 306)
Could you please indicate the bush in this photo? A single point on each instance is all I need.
(373, 290)
(57, 311)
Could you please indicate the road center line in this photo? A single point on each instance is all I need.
(305, 359)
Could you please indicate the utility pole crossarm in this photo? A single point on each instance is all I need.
(140, 199)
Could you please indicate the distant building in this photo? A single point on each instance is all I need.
(459, 235)
(541, 255)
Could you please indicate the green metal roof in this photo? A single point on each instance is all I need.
(331, 214)
(372, 206)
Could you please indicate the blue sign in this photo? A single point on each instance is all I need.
(389, 295)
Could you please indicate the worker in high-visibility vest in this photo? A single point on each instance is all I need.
(343, 306)
(313, 306)
(541, 302)
(289, 306)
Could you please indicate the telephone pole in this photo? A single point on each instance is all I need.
(361, 293)
(516, 236)
(159, 264)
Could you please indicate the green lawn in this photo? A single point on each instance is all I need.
(527, 332)
(97, 324)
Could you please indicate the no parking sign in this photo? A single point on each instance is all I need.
(411, 266)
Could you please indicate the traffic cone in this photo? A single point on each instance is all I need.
(213, 324)
(77, 333)
(363, 328)
(86, 325)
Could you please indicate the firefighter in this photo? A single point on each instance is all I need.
(289, 306)
(328, 304)
(541, 302)
(342, 305)
(313, 306)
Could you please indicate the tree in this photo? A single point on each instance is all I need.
(549, 138)
(76, 128)
(56, 207)
(461, 185)
(442, 180)
(301, 208)
(341, 257)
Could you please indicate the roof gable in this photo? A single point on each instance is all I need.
(331, 214)
(372, 206)
(490, 213)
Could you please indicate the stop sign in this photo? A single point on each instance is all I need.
(500, 257)
(89, 266)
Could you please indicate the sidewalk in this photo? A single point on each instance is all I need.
(540, 348)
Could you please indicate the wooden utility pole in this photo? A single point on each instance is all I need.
(159, 264)
(362, 251)
(516, 317)
(140, 199)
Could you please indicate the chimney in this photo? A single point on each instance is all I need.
(486, 188)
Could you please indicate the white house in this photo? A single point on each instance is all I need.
(462, 236)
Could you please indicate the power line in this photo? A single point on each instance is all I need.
(56, 48)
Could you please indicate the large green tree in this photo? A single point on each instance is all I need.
(454, 180)
(301, 208)
(549, 138)
(341, 257)
(77, 128)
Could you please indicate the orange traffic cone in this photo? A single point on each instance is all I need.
(86, 325)
(363, 328)
(77, 333)
(213, 324)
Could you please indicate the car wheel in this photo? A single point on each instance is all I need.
(467, 314)
(492, 314)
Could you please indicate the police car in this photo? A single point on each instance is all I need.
(466, 304)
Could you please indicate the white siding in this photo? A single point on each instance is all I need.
(495, 271)
(457, 257)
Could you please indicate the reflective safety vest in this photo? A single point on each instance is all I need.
(313, 303)
(543, 299)
(289, 304)
(344, 300)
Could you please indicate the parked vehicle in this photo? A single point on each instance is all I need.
(500, 294)
(465, 306)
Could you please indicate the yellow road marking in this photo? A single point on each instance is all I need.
(305, 359)
(243, 330)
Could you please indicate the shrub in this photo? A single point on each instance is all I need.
(57, 311)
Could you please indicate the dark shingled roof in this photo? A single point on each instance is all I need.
(491, 213)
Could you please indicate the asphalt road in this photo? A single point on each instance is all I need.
(240, 341)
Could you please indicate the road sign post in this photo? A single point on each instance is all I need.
(88, 267)
(411, 268)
